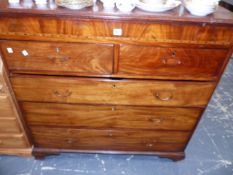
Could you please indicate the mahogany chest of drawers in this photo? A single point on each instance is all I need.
(107, 82)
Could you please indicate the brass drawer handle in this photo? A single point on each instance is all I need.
(70, 141)
(164, 96)
(155, 120)
(149, 145)
(171, 61)
(61, 59)
(64, 94)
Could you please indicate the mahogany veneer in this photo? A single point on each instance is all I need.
(108, 82)
(13, 134)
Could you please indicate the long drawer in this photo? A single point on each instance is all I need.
(13, 141)
(62, 58)
(107, 117)
(114, 140)
(9, 125)
(171, 63)
(105, 91)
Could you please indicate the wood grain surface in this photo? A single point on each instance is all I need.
(59, 57)
(108, 139)
(108, 117)
(105, 91)
(179, 63)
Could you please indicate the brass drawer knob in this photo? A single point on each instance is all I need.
(63, 94)
(164, 96)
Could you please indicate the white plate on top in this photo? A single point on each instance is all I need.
(171, 4)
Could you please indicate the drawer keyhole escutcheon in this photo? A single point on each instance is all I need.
(174, 54)
(63, 94)
(164, 96)
(114, 86)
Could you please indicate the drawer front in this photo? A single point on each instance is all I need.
(74, 29)
(114, 140)
(16, 141)
(105, 91)
(171, 63)
(88, 116)
(9, 125)
(62, 58)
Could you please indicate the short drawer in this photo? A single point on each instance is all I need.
(54, 58)
(105, 91)
(110, 117)
(12, 141)
(114, 140)
(171, 63)
(9, 125)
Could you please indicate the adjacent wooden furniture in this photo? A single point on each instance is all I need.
(13, 137)
(104, 81)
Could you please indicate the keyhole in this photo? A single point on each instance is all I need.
(173, 54)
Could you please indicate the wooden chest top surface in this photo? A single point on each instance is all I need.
(221, 16)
